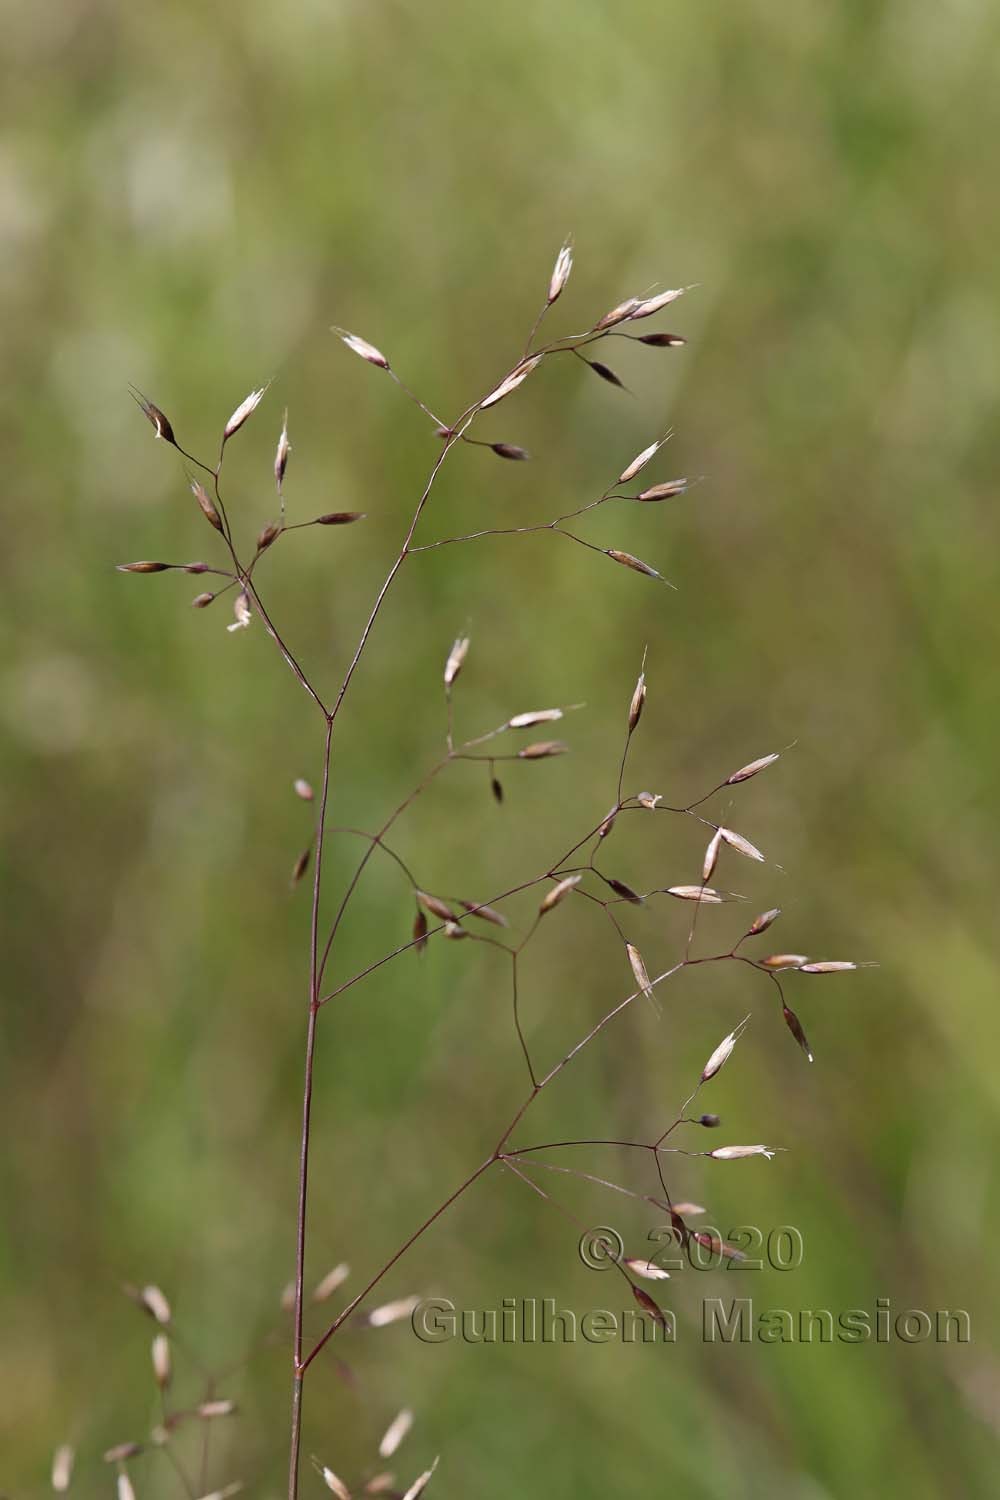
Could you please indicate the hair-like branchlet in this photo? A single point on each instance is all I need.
(581, 873)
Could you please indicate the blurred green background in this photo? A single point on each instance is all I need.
(190, 196)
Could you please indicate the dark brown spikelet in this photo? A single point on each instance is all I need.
(267, 536)
(621, 889)
(208, 510)
(661, 340)
(709, 1121)
(715, 1246)
(339, 518)
(144, 567)
(202, 601)
(511, 451)
(436, 907)
(542, 750)
(301, 866)
(635, 563)
(605, 372)
(650, 1307)
(153, 414)
(420, 930)
(795, 1027)
(496, 788)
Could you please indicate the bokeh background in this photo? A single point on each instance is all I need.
(190, 196)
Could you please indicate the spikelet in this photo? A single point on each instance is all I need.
(241, 612)
(654, 1310)
(161, 426)
(740, 844)
(543, 750)
(722, 1052)
(456, 659)
(736, 1153)
(62, 1467)
(330, 1282)
(640, 461)
(617, 314)
(420, 1483)
(392, 1312)
(395, 1433)
(829, 966)
(334, 1483)
(762, 923)
(651, 305)
(160, 1355)
(647, 1268)
(206, 505)
(745, 772)
(560, 272)
(436, 906)
(711, 859)
(511, 382)
(638, 702)
(281, 454)
(207, 1410)
(784, 961)
(361, 346)
(637, 565)
(639, 970)
(536, 716)
(795, 1027)
(245, 409)
(155, 1304)
(665, 491)
(558, 893)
